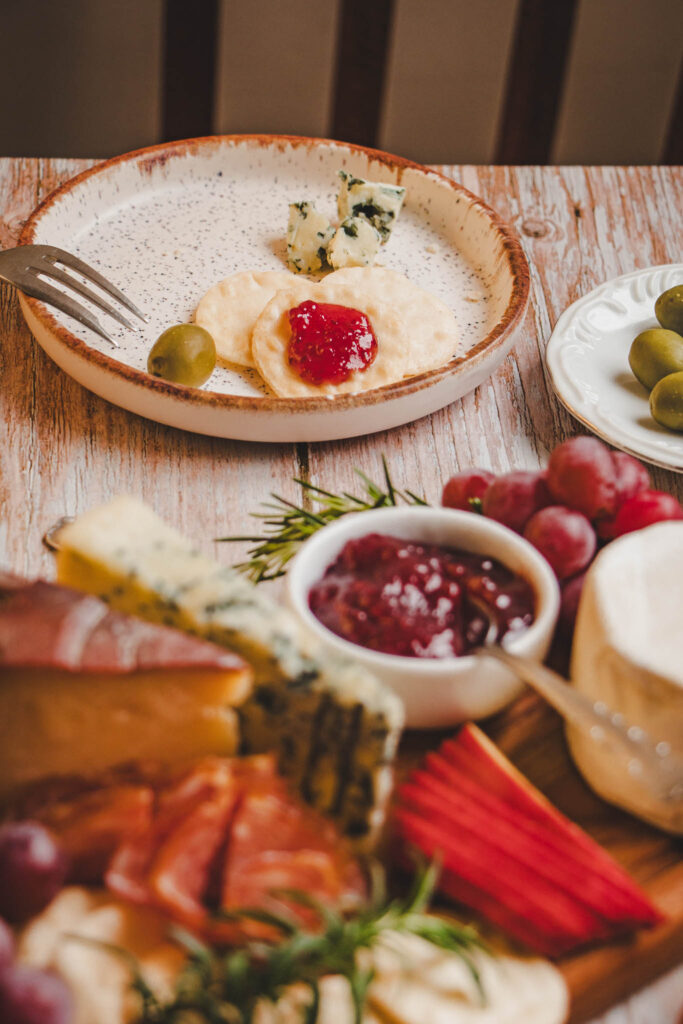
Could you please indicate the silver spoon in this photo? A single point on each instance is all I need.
(653, 764)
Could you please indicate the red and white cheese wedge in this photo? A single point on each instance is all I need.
(83, 688)
(510, 855)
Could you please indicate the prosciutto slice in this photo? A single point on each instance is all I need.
(43, 625)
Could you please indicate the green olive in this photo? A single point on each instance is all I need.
(185, 354)
(669, 308)
(655, 354)
(666, 401)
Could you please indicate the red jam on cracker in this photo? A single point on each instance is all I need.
(329, 342)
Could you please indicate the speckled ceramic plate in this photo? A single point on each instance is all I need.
(587, 356)
(166, 223)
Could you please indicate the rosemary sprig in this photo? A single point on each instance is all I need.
(287, 525)
(219, 986)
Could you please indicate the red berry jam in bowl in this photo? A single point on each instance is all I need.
(415, 599)
(329, 342)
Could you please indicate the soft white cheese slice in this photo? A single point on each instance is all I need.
(336, 1005)
(628, 653)
(417, 983)
(99, 981)
(355, 243)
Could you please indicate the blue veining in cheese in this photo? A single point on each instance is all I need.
(308, 234)
(377, 202)
(355, 244)
(334, 727)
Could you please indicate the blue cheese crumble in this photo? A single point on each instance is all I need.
(355, 243)
(308, 235)
(380, 204)
(332, 725)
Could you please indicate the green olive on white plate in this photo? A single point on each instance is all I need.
(666, 401)
(184, 354)
(655, 354)
(669, 308)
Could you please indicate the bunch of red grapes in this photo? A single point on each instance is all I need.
(32, 871)
(587, 496)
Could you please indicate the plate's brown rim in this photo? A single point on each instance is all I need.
(152, 155)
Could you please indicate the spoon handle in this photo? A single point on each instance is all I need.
(653, 764)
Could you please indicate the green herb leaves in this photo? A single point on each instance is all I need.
(286, 526)
(225, 986)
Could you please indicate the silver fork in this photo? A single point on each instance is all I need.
(28, 266)
(655, 764)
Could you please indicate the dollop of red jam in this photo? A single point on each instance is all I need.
(412, 599)
(329, 342)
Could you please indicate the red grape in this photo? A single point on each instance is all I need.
(569, 603)
(632, 476)
(464, 490)
(514, 497)
(644, 509)
(31, 996)
(32, 869)
(605, 527)
(564, 537)
(6, 944)
(582, 475)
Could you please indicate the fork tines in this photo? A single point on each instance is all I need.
(32, 267)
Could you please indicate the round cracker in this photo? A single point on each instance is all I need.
(272, 333)
(431, 327)
(229, 310)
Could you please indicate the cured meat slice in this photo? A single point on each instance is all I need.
(91, 826)
(180, 878)
(128, 871)
(80, 633)
(278, 843)
(226, 836)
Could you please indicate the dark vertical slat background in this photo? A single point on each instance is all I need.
(361, 61)
(534, 86)
(189, 68)
(673, 147)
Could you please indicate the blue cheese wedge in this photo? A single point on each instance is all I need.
(355, 244)
(334, 727)
(378, 203)
(308, 234)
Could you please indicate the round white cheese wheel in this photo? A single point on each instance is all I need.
(628, 653)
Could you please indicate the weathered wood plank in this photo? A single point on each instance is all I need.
(68, 450)
(579, 228)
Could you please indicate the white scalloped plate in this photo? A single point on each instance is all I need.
(587, 357)
(166, 223)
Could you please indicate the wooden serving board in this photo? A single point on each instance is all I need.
(531, 734)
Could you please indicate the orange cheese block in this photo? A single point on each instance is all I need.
(83, 688)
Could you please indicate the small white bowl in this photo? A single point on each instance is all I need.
(436, 692)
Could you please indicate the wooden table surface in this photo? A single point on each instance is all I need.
(66, 450)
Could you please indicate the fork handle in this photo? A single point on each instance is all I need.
(659, 769)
